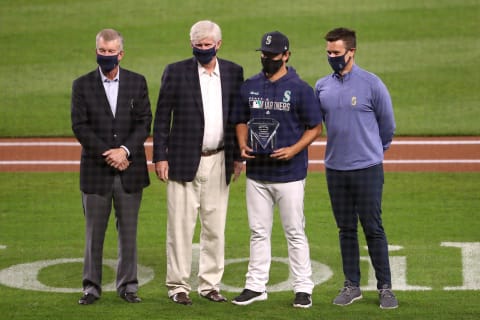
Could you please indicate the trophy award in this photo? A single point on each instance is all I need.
(262, 138)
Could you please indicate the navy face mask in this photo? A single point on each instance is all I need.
(204, 56)
(338, 63)
(107, 63)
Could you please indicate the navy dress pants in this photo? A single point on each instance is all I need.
(357, 195)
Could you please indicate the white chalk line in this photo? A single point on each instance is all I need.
(405, 161)
(315, 143)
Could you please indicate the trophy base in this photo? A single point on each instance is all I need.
(260, 152)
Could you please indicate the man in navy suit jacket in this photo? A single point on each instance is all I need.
(196, 151)
(111, 118)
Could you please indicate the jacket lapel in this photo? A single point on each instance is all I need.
(224, 72)
(122, 98)
(102, 96)
(194, 83)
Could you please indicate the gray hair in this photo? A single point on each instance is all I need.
(109, 35)
(205, 29)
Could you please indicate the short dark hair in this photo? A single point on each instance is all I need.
(347, 35)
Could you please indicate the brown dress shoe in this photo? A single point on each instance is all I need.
(181, 298)
(215, 296)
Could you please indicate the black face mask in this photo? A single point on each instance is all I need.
(107, 63)
(271, 66)
(204, 56)
(338, 63)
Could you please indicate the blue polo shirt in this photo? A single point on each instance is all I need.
(358, 115)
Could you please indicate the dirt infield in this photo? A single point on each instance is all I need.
(435, 154)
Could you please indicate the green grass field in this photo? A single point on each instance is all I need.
(421, 211)
(425, 51)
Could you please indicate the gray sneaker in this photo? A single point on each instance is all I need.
(387, 298)
(347, 295)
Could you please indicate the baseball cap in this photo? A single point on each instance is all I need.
(274, 42)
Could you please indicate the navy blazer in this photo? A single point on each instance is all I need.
(98, 130)
(179, 122)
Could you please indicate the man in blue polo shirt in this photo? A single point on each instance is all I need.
(358, 115)
(278, 119)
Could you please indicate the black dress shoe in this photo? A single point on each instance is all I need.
(131, 297)
(87, 298)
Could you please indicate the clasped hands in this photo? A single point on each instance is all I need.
(117, 158)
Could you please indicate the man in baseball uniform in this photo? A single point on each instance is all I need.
(277, 120)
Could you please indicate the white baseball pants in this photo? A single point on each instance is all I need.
(261, 200)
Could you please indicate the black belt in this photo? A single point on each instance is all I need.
(207, 153)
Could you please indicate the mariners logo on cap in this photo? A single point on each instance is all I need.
(274, 42)
(268, 41)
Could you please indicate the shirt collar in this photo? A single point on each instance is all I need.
(202, 70)
(105, 79)
(347, 75)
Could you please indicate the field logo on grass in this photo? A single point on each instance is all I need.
(25, 276)
(320, 273)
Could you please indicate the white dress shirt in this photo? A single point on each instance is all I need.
(111, 90)
(211, 88)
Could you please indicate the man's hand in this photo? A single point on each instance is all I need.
(237, 169)
(245, 152)
(116, 158)
(161, 169)
(285, 153)
(124, 165)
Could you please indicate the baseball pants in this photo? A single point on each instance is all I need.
(261, 200)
